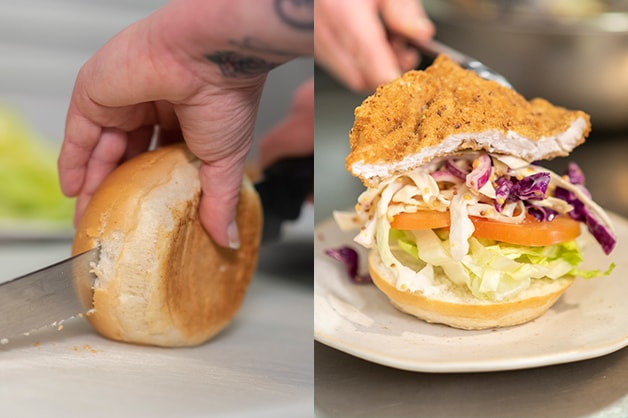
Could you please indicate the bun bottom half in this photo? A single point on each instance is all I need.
(458, 308)
(160, 278)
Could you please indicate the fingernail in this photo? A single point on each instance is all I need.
(233, 236)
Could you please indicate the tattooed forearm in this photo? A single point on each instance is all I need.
(244, 59)
(258, 47)
(247, 63)
(233, 64)
(299, 14)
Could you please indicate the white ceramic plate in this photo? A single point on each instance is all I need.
(588, 321)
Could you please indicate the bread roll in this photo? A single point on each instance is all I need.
(458, 308)
(161, 280)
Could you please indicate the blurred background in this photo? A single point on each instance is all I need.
(43, 44)
(571, 52)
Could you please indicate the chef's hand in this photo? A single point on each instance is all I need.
(294, 135)
(362, 43)
(193, 70)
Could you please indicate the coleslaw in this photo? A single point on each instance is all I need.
(485, 185)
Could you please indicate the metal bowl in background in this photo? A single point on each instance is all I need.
(573, 53)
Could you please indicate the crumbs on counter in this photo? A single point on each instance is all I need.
(83, 348)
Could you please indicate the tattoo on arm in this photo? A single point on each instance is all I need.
(237, 64)
(234, 64)
(299, 14)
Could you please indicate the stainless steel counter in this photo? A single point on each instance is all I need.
(346, 386)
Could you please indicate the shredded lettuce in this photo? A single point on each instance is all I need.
(29, 187)
(490, 270)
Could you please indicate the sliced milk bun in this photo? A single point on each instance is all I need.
(161, 280)
(458, 308)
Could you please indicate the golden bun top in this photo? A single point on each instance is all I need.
(445, 109)
(161, 280)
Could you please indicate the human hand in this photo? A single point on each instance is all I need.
(363, 42)
(184, 76)
(294, 135)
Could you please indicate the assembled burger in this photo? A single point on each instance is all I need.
(464, 229)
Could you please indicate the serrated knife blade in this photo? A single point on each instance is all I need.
(45, 297)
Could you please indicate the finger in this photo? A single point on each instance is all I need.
(373, 54)
(84, 124)
(407, 57)
(105, 157)
(332, 54)
(220, 134)
(80, 139)
(351, 44)
(294, 135)
(407, 18)
(221, 182)
(342, 67)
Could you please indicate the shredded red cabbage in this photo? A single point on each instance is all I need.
(542, 213)
(350, 258)
(580, 213)
(532, 187)
(458, 172)
(481, 173)
(575, 174)
(446, 176)
(600, 232)
(503, 186)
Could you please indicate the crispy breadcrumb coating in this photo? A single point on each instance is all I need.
(421, 109)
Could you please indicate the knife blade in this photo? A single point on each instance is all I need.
(45, 297)
(49, 295)
(433, 48)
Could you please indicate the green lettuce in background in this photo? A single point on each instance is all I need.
(29, 186)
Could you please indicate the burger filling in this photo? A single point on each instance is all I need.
(492, 223)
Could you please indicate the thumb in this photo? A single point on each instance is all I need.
(220, 183)
(219, 131)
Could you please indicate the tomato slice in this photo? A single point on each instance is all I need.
(531, 231)
(425, 219)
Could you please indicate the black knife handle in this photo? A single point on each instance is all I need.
(284, 187)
